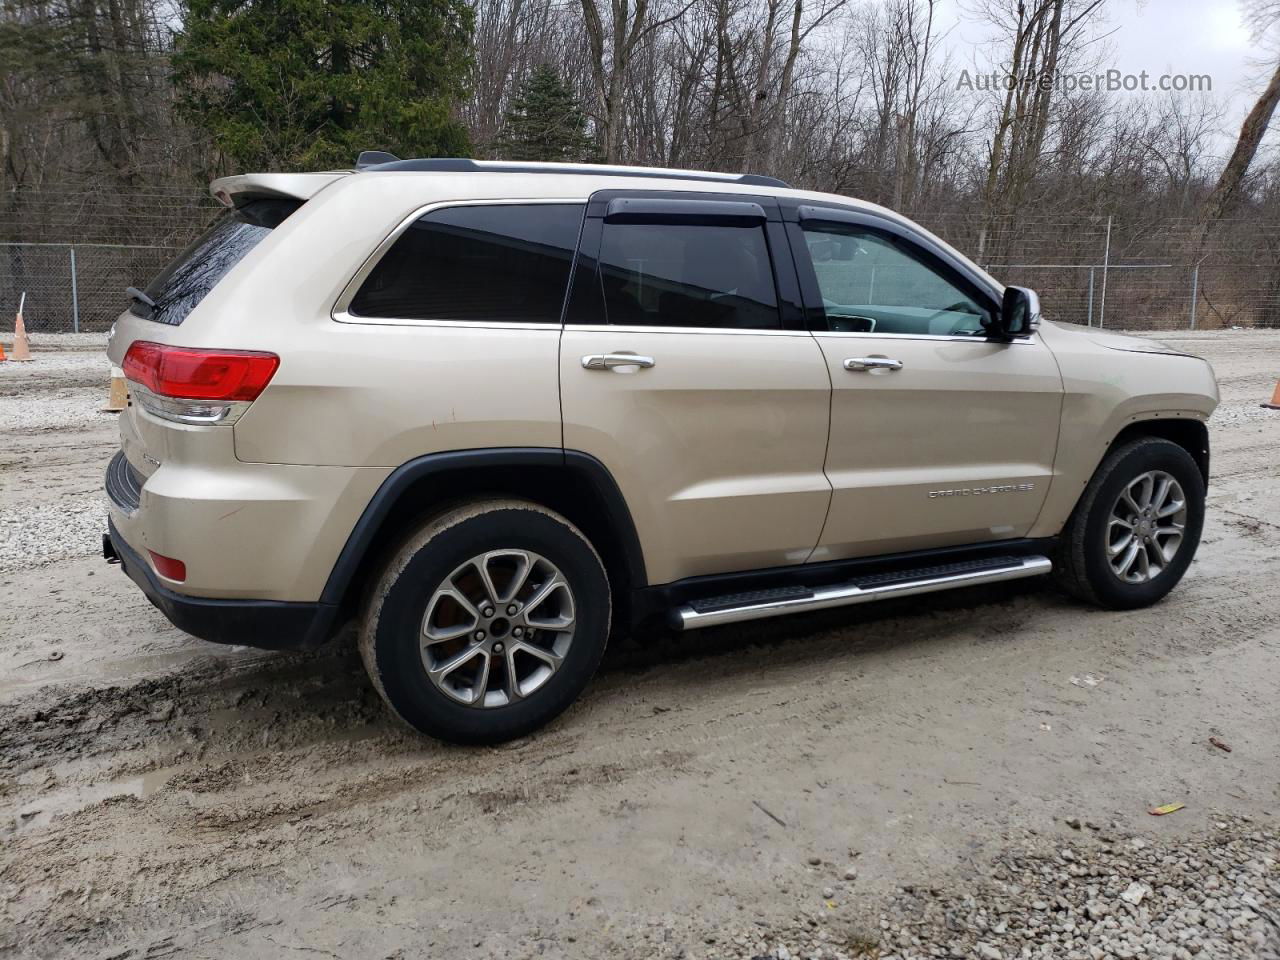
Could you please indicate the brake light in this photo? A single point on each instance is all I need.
(191, 385)
(192, 374)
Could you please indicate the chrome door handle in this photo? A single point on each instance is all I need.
(608, 361)
(872, 363)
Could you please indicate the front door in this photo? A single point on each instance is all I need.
(685, 369)
(939, 435)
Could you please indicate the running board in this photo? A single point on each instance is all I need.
(759, 604)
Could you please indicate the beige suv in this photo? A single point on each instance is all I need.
(495, 411)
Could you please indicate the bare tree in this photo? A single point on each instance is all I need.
(1263, 15)
(1042, 37)
(613, 36)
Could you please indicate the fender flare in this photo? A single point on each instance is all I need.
(587, 467)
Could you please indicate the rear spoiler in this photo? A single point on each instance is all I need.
(240, 190)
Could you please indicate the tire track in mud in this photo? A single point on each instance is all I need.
(251, 812)
(220, 713)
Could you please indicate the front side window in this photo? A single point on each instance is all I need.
(506, 263)
(687, 275)
(871, 283)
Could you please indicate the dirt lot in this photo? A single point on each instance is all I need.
(966, 776)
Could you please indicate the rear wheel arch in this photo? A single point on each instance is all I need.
(572, 483)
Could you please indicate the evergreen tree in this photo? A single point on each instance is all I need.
(310, 83)
(546, 122)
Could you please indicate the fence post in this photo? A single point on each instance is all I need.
(75, 294)
(1106, 264)
(1196, 287)
(1089, 322)
(1194, 292)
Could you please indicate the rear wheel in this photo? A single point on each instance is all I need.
(1136, 528)
(487, 623)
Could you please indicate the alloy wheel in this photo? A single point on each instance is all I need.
(1146, 527)
(497, 628)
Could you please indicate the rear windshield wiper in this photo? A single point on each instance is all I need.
(136, 294)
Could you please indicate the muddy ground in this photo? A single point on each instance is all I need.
(711, 795)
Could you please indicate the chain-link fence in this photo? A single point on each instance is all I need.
(1159, 274)
(74, 287)
(1146, 274)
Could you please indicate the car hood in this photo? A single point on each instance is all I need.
(1117, 341)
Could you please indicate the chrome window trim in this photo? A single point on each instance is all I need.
(851, 334)
(343, 316)
(633, 328)
(341, 312)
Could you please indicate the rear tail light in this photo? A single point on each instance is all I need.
(190, 385)
(168, 567)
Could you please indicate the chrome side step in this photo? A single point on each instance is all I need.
(759, 604)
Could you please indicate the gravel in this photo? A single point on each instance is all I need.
(50, 410)
(56, 391)
(29, 535)
(1212, 896)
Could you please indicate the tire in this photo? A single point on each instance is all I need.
(414, 612)
(1090, 563)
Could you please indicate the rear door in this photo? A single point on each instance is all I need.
(685, 368)
(939, 436)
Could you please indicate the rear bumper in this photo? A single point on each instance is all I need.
(270, 624)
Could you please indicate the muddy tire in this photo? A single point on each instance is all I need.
(487, 623)
(1136, 528)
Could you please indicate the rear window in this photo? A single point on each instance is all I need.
(189, 278)
(506, 263)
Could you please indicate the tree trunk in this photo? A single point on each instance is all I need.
(775, 130)
(1227, 193)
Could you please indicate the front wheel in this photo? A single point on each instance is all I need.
(1136, 528)
(487, 623)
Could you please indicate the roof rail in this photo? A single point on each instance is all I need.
(368, 162)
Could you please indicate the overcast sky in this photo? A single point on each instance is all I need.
(1159, 36)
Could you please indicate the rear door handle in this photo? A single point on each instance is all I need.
(872, 363)
(610, 361)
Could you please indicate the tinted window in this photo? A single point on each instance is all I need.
(664, 275)
(870, 283)
(188, 279)
(506, 263)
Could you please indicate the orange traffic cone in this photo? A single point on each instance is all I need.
(1275, 399)
(21, 349)
(118, 395)
(3, 358)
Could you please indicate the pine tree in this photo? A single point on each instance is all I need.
(308, 84)
(546, 122)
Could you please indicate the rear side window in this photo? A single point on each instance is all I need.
(198, 269)
(506, 263)
(687, 275)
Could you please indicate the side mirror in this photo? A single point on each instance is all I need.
(1019, 312)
